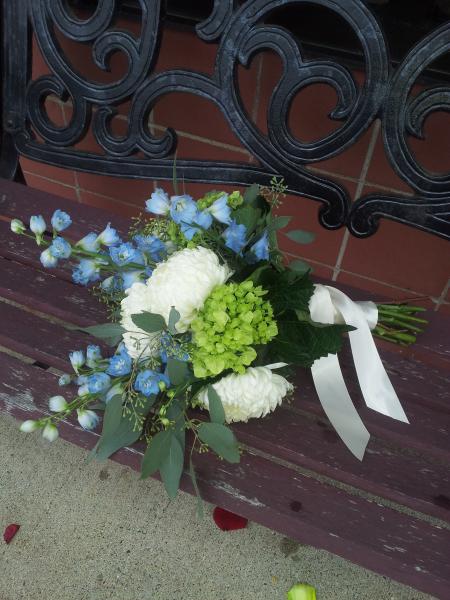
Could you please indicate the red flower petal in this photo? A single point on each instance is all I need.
(10, 532)
(228, 521)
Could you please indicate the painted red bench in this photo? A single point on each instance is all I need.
(389, 513)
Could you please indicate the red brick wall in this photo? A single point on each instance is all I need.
(398, 261)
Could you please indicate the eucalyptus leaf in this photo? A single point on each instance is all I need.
(221, 439)
(124, 435)
(113, 416)
(300, 236)
(278, 223)
(110, 333)
(299, 266)
(177, 371)
(174, 317)
(172, 466)
(149, 322)
(216, 411)
(251, 194)
(156, 452)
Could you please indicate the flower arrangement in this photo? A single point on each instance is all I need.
(205, 315)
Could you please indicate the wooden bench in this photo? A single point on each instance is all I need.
(389, 513)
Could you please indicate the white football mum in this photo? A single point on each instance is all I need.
(184, 281)
(254, 394)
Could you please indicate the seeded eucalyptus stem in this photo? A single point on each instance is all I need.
(399, 324)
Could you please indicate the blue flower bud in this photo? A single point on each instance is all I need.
(220, 210)
(37, 225)
(60, 220)
(109, 236)
(47, 259)
(57, 403)
(50, 432)
(87, 271)
(60, 248)
(93, 354)
(130, 277)
(234, 236)
(261, 248)
(158, 203)
(90, 243)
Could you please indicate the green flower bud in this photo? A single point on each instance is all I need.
(301, 591)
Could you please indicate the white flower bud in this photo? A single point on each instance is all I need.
(29, 425)
(50, 432)
(57, 403)
(17, 226)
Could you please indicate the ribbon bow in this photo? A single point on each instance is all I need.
(329, 305)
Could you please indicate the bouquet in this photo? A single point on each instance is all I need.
(208, 323)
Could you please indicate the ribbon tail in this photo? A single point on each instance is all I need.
(376, 387)
(338, 405)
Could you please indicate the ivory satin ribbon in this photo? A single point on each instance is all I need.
(329, 305)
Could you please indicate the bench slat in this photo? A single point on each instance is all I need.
(279, 496)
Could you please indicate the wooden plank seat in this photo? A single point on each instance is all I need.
(388, 513)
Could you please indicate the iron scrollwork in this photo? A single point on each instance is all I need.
(241, 32)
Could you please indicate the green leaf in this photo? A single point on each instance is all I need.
(251, 194)
(301, 343)
(278, 223)
(200, 512)
(175, 413)
(174, 317)
(248, 216)
(177, 370)
(287, 290)
(111, 333)
(149, 322)
(172, 466)
(113, 416)
(156, 452)
(216, 411)
(299, 266)
(123, 436)
(221, 439)
(300, 236)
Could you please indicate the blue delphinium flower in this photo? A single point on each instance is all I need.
(126, 253)
(234, 236)
(188, 230)
(109, 236)
(158, 203)
(98, 382)
(203, 219)
(37, 224)
(93, 355)
(60, 248)
(60, 220)
(47, 259)
(183, 209)
(77, 359)
(149, 382)
(88, 419)
(220, 210)
(151, 245)
(120, 363)
(86, 271)
(90, 242)
(260, 249)
(130, 277)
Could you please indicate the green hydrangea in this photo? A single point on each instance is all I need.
(235, 318)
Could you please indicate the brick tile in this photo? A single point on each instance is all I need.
(382, 173)
(401, 256)
(112, 206)
(52, 187)
(48, 171)
(318, 270)
(444, 308)
(131, 191)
